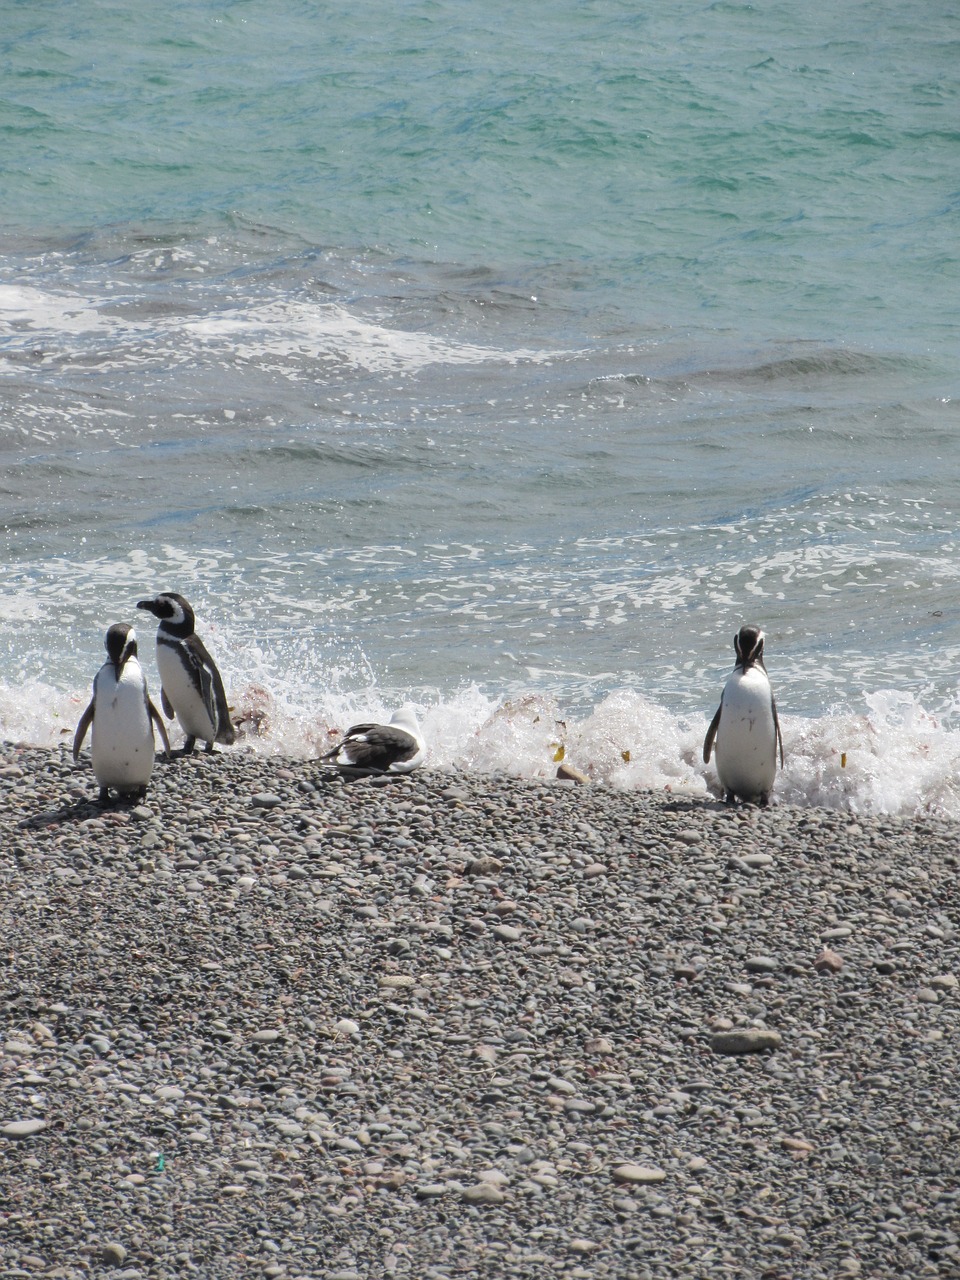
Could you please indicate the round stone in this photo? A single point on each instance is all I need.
(483, 1193)
(760, 964)
(22, 1128)
(506, 933)
(639, 1174)
(744, 1040)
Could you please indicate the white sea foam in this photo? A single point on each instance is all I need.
(328, 331)
(276, 334)
(891, 757)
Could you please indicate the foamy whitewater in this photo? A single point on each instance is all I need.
(501, 362)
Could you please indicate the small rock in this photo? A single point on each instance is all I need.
(828, 961)
(570, 774)
(639, 1174)
(483, 1193)
(758, 860)
(267, 1036)
(760, 964)
(945, 982)
(580, 1106)
(430, 1190)
(23, 1128)
(507, 933)
(113, 1253)
(599, 1044)
(744, 1040)
(483, 866)
(579, 1245)
(347, 1027)
(798, 1145)
(835, 934)
(265, 800)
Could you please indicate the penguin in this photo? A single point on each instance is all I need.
(396, 747)
(746, 728)
(121, 717)
(191, 687)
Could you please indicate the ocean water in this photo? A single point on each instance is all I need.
(501, 360)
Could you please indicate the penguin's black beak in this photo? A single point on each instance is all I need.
(147, 604)
(129, 651)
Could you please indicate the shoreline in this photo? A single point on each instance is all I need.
(470, 1025)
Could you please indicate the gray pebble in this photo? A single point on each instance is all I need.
(22, 1128)
(744, 1040)
(506, 932)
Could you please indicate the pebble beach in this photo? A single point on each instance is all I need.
(275, 1023)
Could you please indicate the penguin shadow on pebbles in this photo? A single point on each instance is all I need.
(191, 687)
(746, 728)
(121, 719)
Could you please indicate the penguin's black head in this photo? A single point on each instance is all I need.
(749, 646)
(173, 611)
(120, 644)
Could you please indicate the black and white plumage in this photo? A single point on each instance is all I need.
(191, 687)
(121, 718)
(746, 728)
(397, 747)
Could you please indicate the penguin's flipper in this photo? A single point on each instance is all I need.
(776, 725)
(86, 720)
(161, 727)
(226, 734)
(710, 739)
(212, 691)
(207, 692)
(166, 704)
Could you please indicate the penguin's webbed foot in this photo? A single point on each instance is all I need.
(209, 748)
(189, 744)
(730, 798)
(104, 796)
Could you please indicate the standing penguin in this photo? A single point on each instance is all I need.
(396, 747)
(122, 719)
(191, 687)
(746, 728)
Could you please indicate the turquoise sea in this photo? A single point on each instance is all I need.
(503, 360)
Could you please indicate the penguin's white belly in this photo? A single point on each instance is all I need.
(121, 746)
(186, 701)
(747, 736)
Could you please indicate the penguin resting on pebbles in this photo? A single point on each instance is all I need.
(396, 747)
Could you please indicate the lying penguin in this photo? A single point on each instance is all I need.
(396, 747)
(746, 728)
(190, 684)
(121, 718)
